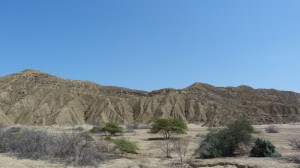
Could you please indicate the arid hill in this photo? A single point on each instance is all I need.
(32, 97)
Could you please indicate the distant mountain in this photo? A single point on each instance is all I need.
(32, 97)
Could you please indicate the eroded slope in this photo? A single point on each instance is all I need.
(35, 98)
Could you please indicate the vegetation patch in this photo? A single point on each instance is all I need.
(224, 142)
(264, 148)
(75, 149)
(126, 146)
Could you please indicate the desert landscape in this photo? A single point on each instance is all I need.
(150, 154)
(50, 110)
(149, 84)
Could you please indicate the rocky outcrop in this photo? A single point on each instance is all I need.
(32, 97)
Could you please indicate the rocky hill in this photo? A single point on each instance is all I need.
(32, 97)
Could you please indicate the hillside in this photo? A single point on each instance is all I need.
(32, 97)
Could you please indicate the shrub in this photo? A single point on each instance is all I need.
(9, 139)
(110, 127)
(180, 148)
(167, 127)
(272, 129)
(211, 146)
(32, 144)
(124, 145)
(26, 143)
(264, 148)
(167, 148)
(72, 148)
(75, 149)
(224, 142)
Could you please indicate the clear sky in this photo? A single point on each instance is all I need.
(155, 44)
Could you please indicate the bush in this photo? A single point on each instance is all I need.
(110, 127)
(264, 148)
(211, 146)
(224, 142)
(124, 145)
(167, 127)
(25, 143)
(178, 147)
(9, 139)
(72, 148)
(75, 149)
(167, 148)
(32, 144)
(272, 129)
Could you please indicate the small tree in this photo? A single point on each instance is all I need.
(167, 127)
(110, 127)
(264, 148)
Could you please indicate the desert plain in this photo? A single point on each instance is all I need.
(150, 154)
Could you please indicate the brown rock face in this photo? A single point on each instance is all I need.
(34, 98)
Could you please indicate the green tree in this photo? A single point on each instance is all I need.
(112, 128)
(167, 127)
(224, 142)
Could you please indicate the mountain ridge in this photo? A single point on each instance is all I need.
(33, 97)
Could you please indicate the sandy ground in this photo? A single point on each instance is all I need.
(150, 155)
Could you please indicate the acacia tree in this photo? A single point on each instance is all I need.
(112, 128)
(167, 127)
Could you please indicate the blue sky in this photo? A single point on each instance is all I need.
(155, 44)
